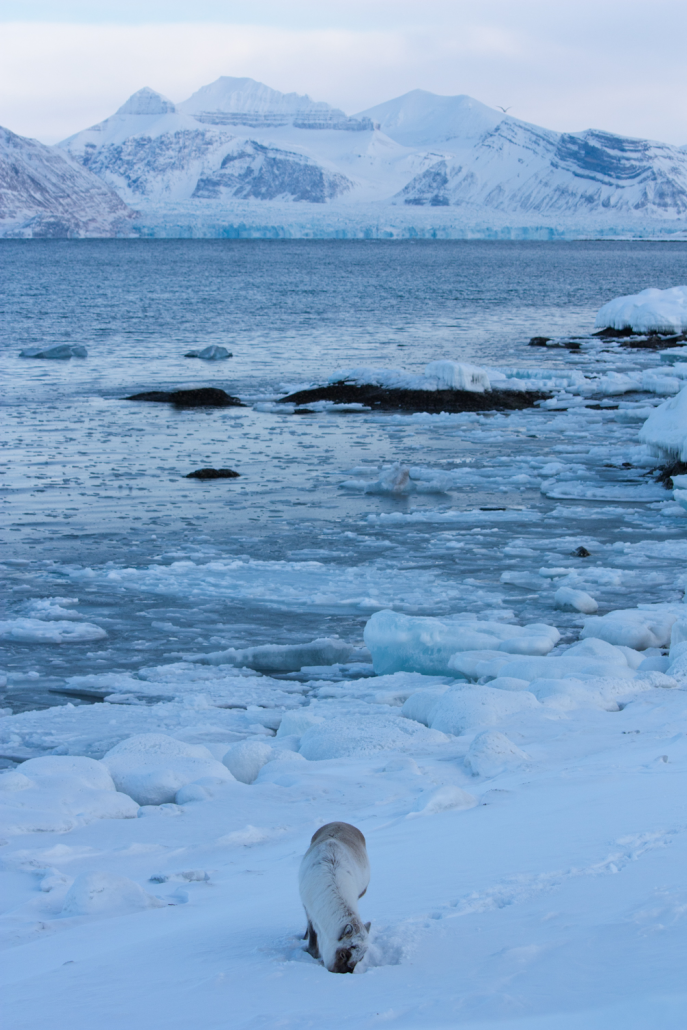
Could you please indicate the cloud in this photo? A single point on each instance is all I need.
(599, 65)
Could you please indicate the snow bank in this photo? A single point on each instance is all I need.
(38, 631)
(212, 353)
(60, 352)
(151, 767)
(415, 644)
(347, 737)
(631, 627)
(105, 894)
(661, 311)
(665, 430)
(56, 793)
(492, 752)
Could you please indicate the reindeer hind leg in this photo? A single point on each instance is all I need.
(311, 937)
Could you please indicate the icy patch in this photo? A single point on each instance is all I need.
(404, 643)
(151, 767)
(651, 310)
(56, 793)
(38, 631)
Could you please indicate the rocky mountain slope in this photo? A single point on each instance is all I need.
(239, 158)
(44, 192)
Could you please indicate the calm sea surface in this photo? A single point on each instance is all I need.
(93, 485)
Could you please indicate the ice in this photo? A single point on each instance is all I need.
(665, 430)
(401, 642)
(631, 627)
(36, 631)
(281, 657)
(579, 600)
(245, 759)
(106, 894)
(60, 351)
(491, 752)
(651, 310)
(464, 708)
(214, 352)
(347, 737)
(151, 767)
(458, 376)
(57, 793)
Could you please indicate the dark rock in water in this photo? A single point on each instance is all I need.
(665, 473)
(539, 341)
(213, 474)
(382, 399)
(581, 552)
(655, 342)
(206, 397)
(614, 334)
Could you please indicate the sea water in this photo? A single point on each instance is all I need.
(100, 523)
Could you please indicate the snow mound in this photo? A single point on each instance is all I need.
(245, 759)
(659, 311)
(462, 708)
(492, 752)
(348, 737)
(631, 627)
(417, 644)
(151, 767)
(665, 430)
(57, 793)
(446, 799)
(105, 894)
(212, 353)
(60, 352)
(36, 631)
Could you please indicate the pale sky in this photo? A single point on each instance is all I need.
(569, 66)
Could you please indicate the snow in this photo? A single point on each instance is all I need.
(491, 753)
(665, 430)
(650, 311)
(105, 894)
(631, 627)
(151, 767)
(245, 759)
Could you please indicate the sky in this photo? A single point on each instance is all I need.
(618, 66)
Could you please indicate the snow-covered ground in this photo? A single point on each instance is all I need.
(463, 633)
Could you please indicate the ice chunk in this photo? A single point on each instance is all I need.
(297, 722)
(416, 644)
(421, 705)
(631, 627)
(651, 310)
(492, 752)
(665, 430)
(245, 759)
(106, 894)
(280, 657)
(60, 351)
(462, 708)
(151, 767)
(456, 375)
(579, 600)
(56, 793)
(345, 737)
(37, 631)
(212, 353)
(535, 668)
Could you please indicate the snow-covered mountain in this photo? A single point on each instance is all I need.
(44, 192)
(239, 158)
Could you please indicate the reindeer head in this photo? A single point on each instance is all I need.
(351, 946)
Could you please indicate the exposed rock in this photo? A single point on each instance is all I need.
(665, 473)
(581, 552)
(539, 341)
(213, 474)
(204, 397)
(654, 342)
(383, 399)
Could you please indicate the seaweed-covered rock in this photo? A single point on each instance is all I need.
(204, 397)
(213, 474)
(386, 399)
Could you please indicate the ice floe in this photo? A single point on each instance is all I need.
(651, 310)
(51, 631)
(214, 352)
(59, 352)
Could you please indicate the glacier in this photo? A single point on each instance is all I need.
(241, 160)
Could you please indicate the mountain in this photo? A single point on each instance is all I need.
(240, 158)
(43, 192)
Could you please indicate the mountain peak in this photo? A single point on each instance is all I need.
(147, 101)
(234, 97)
(420, 118)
